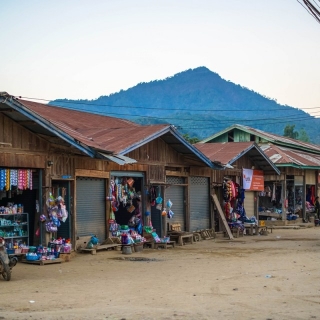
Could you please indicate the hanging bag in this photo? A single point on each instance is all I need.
(159, 199)
(169, 204)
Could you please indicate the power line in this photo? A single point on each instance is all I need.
(311, 9)
(223, 123)
(227, 121)
(152, 108)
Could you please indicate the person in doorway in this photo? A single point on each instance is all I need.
(317, 207)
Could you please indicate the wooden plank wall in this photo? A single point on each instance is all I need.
(19, 137)
(25, 149)
(157, 152)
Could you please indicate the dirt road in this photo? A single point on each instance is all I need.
(253, 277)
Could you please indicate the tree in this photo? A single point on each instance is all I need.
(289, 132)
(191, 140)
(303, 136)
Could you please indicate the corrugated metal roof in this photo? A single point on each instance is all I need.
(97, 131)
(104, 134)
(286, 156)
(228, 152)
(223, 152)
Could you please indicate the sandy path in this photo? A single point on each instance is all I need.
(212, 279)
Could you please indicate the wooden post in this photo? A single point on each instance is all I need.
(212, 226)
(107, 208)
(284, 193)
(223, 218)
(74, 216)
(304, 215)
(187, 203)
(163, 219)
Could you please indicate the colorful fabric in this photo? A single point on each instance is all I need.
(7, 187)
(2, 179)
(14, 177)
(21, 178)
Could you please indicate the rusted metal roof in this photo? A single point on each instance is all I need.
(228, 152)
(98, 131)
(92, 133)
(283, 156)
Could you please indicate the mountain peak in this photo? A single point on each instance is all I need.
(199, 102)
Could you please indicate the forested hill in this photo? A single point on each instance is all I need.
(200, 103)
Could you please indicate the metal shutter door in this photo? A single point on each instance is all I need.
(176, 195)
(249, 203)
(91, 212)
(199, 203)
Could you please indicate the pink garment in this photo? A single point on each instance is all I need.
(20, 179)
(233, 190)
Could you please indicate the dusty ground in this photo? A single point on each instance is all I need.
(253, 277)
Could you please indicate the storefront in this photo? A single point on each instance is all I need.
(290, 199)
(175, 192)
(19, 206)
(200, 213)
(237, 186)
(75, 167)
(127, 196)
(91, 207)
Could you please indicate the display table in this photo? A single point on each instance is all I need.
(181, 238)
(42, 262)
(164, 245)
(149, 244)
(250, 227)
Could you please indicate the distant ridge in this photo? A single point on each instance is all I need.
(198, 102)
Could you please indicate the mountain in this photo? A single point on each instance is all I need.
(198, 102)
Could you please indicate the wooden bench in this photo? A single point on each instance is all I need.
(257, 229)
(207, 234)
(181, 237)
(164, 245)
(149, 244)
(110, 243)
(264, 228)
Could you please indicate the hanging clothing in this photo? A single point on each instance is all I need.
(273, 198)
(2, 179)
(7, 187)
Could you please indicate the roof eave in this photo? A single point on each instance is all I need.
(19, 107)
(294, 165)
(255, 146)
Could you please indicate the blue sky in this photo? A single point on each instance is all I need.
(85, 49)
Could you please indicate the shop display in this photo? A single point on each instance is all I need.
(15, 179)
(57, 213)
(129, 236)
(234, 210)
(14, 227)
(271, 202)
(125, 205)
(50, 252)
